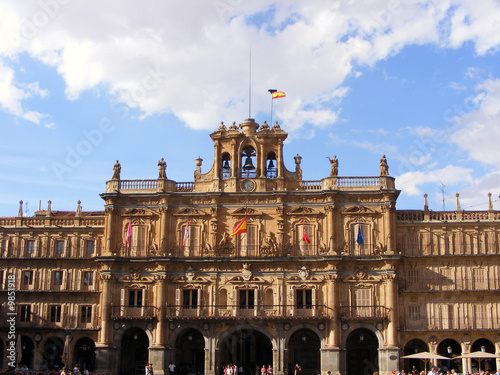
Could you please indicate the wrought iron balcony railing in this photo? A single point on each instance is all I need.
(134, 312)
(364, 313)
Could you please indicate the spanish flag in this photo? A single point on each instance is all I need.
(240, 228)
(305, 237)
(278, 94)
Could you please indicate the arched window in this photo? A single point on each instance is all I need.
(226, 166)
(271, 167)
(248, 163)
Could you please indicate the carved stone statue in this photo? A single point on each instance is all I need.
(335, 166)
(162, 170)
(116, 171)
(384, 167)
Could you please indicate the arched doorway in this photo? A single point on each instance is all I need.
(190, 353)
(362, 352)
(449, 348)
(412, 347)
(304, 350)
(486, 364)
(85, 354)
(28, 352)
(52, 353)
(134, 352)
(246, 347)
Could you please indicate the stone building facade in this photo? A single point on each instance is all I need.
(329, 275)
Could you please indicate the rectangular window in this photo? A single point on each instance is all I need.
(447, 316)
(27, 277)
(25, 313)
(90, 247)
(191, 240)
(30, 247)
(246, 242)
(446, 279)
(305, 234)
(479, 279)
(247, 299)
(88, 278)
(360, 239)
(412, 244)
(138, 240)
(414, 312)
(55, 313)
(135, 298)
(190, 298)
(57, 277)
(362, 302)
(60, 247)
(304, 298)
(86, 314)
(413, 278)
(480, 317)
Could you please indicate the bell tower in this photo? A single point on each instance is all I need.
(248, 158)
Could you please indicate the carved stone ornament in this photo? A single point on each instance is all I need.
(246, 273)
(190, 274)
(303, 273)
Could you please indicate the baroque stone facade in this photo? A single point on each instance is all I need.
(328, 275)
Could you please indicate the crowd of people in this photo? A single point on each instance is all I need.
(443, 371)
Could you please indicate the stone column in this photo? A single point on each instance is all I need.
(163, 231)
(392, 303)
(105, 352)
(109, 229)
(157, 350)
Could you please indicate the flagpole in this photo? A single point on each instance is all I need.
(250, 84)
(272, 102)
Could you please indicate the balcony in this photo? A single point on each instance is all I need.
(262, 312)
(363, 313)
(125, 312)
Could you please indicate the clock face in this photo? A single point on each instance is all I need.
(248, 185)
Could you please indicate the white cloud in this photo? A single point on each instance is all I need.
(411, 182)
(475, 196)
(302, 48)
(478, 131)
(12, 95)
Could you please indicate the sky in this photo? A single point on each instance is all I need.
(86, 83)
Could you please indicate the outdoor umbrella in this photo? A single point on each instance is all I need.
(65, 353)
(479, 356)
(426, 357)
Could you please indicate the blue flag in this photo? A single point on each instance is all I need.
(360, 240)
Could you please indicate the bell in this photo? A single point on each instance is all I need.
(225, 165)
(248, 163)
(271, 164)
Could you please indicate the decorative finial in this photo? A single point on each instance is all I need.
(276, 126)
(49, 209)
(426, 204)
(458, 202)
(20, 212)
(233, 126)
(490, 203)
(78, 209)
(222, 127)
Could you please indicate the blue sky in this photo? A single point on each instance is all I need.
(83, 84)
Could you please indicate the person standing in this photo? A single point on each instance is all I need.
(171, 368)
